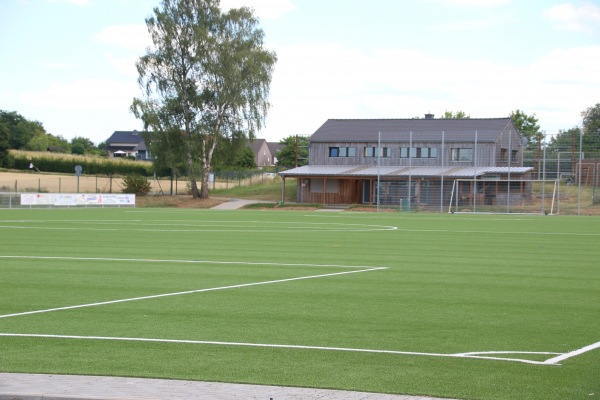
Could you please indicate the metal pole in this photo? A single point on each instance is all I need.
(410, 172)
(544, 180)
(509, 163)
(558, 188)
(442, 180)
(475, 176)
(378, 165)
(579, 171)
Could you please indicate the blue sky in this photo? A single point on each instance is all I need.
(70, 64)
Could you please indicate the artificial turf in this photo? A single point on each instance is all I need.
(451, 284)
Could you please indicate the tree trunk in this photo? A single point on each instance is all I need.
(206, 165)
(192, 176)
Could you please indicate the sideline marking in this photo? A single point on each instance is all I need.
(300, 347)
(154, 260)
(188, 292)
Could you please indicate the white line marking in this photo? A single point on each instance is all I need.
(574, 353)
(218, 226)
(154, 260)
(188, 292)
(281, 346)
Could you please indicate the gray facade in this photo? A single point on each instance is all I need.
(409, 160)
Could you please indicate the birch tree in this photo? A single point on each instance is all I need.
(207, 77)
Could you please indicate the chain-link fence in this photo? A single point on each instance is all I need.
(20, 182)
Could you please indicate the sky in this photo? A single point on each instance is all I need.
(70, 64)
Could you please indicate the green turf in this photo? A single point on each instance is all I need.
(453, 284)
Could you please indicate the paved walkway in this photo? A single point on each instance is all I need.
(69, 387)
(234, 204)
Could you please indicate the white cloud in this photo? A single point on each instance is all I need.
(264, 9)
(347, 83)
(128, 37)
(85, 94)
(569, 17)
(93, 108)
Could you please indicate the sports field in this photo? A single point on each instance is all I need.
(458, 306)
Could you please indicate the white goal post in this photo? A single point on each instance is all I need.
(496, 196)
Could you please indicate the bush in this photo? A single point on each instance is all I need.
(137, 184)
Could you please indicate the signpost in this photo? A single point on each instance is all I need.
(78, 170)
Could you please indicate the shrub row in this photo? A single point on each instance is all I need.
(90, 166)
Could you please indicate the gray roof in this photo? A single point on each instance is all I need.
(362, 171)
(133, 137)
(399, 130)
(256, 144)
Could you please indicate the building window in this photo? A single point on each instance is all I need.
(462, 154)
(320, 185)
(342, 152)
(514, 156)
(418, 152)
(372, 152)
(503, 154)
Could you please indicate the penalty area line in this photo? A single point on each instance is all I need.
(242, 285)
(155, 260)
(278, 346)
(574, 353)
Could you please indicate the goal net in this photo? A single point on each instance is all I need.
(502, 197)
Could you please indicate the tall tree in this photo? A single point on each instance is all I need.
(21, 130)
(591, 128)
(207, 76)
(455, 115)
(294, 151)
(81, 145)
(529, 128)
(4, 145)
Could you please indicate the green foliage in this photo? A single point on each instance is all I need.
(21, 130)
(565, 140)
(81, 145)
(245, 159)
(77, 148)
(4, 145)
(591, 128)
(206, 78)
(232, 153)
(136, 184)
(294, 150)
(91, 166)
(529, 128)
(455, 115)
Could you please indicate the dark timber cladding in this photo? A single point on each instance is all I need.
(416, 161)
